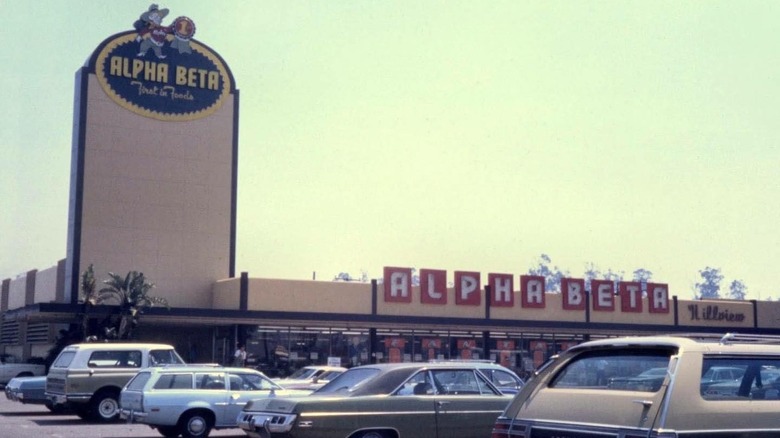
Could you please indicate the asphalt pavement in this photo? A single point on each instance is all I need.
(18, 420)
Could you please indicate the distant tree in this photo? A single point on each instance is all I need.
(737, 290)
(643, 276)
(89, 298)
(710, 286)
(131, 293)
(552, 274)
(592, 272)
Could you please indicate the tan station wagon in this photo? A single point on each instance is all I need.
(653, 387)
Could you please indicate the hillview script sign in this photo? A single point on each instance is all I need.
(467, 291)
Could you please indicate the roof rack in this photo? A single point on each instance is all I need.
(187, 365)
(757, 339)
(460, 361)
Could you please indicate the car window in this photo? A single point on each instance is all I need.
(348, 380)
(64, 359)
(501, 378)
(162, 357)
(138, 382)
(174, 381)
(459, 382)
(115, 359)
(621, 369)
(758, 379)
(250, 382)
(418, 384)
(209, 381)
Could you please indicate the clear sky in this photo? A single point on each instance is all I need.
(456, 135)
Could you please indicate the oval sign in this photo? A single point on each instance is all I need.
(171, 82)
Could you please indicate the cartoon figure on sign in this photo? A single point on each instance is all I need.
(153, 35)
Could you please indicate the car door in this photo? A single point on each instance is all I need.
(243, 388)
(212, 388)
(465, 404)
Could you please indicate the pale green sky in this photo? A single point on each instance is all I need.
(457, 135)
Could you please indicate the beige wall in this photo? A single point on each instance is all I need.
(227, 294)
(768, 313)
(157, 198)
(309, 296)
(17, 292)
(46, 285)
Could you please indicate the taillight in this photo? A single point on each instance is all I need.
(508, 428)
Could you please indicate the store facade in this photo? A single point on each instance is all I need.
(156, 125)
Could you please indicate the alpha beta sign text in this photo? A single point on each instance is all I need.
(468, 291)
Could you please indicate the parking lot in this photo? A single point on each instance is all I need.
(26, 421)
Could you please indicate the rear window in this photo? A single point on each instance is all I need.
(740, 378)
(138, 382)
(348, 380)
(64, 359)
(623, 370)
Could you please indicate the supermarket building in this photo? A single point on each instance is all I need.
(153, 189)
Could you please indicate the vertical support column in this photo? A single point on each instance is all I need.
(4, 295)
(372, 339)
(487, 301)
(486, 344)
(374, 293)
(243, 301)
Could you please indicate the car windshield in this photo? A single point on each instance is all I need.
(303, 374)
(347, 381)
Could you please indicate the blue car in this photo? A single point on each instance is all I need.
(29, 390)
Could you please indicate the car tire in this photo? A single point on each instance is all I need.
(168, 431)
(105, 407)
(373, 434)
(196, 424)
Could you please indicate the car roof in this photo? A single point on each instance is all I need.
(117, 346)
(705, 343)
(394, 374)
(165, 368)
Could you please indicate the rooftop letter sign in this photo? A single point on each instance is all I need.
(160, 71)
(398, 283)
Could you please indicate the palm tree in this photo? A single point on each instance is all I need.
(131, 293)
(89, 298)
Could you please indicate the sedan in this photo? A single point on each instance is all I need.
(408, 400)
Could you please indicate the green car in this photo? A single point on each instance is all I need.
(404, 400)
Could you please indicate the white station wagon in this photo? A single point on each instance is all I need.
(191, 400)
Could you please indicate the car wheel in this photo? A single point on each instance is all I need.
(196, 424)
(168, 431)
(105, 407)
(373, 434)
